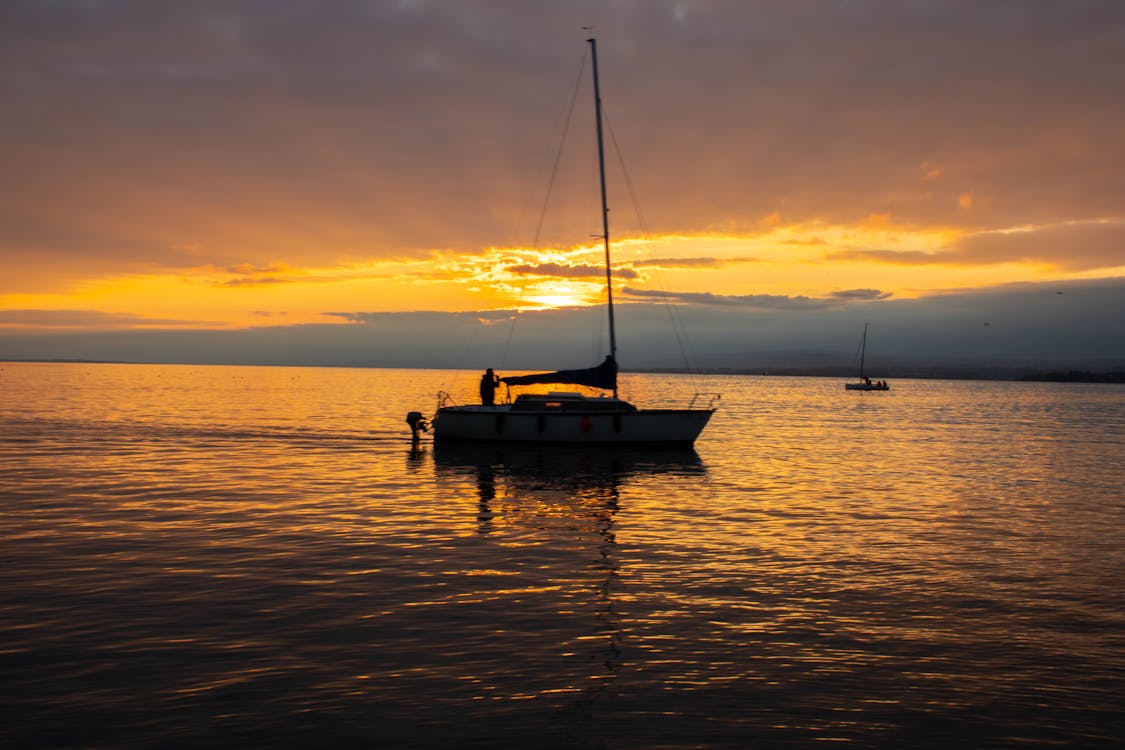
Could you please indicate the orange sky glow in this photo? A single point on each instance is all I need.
(781, 260)
(214, 169)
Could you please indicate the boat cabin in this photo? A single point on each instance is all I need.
(568, 401)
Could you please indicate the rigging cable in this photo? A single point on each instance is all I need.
(547, 198)
(679, 329)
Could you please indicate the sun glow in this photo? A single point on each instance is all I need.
(815, 260)
(557, 300)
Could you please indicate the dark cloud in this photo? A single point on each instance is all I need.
(173, 134)
(1073, 246)
(256, 281)
(249, 269)
(1078, 246)
(251, 275)
(567, 271)
(353, 317)
(759, 301)
(93, 319)
(892, 257)
(859, 295)
(692, 262)
(436, 318)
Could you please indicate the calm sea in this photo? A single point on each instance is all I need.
(257, 557)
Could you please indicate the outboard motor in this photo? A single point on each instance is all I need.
(418, 424)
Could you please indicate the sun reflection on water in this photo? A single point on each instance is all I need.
(195, 552)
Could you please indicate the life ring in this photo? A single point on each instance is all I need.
(586, 425)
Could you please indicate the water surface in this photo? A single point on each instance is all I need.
(259, 557)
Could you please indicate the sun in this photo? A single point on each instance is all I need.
(558, 300)
(551, 294)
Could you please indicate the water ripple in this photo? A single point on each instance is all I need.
(256, 556)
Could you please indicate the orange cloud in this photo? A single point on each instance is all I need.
(703, 262)
(563, 271)
(931, 171)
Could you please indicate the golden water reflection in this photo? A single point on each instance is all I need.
(259, 552)
(567, 500)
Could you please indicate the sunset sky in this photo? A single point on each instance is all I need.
(257, 169)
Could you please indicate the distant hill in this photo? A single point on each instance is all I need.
(834, 364)
(1078, 376)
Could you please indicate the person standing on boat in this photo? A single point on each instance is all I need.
(488, 383)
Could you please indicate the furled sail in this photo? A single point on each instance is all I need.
(603, 376)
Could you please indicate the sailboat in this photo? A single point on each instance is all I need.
(865, 383)
(570, 417)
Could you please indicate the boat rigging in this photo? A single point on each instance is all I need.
(567, 416)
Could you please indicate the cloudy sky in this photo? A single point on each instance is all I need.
(283, 171)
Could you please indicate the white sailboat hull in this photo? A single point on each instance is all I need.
(500, 424)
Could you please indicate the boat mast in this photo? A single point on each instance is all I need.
(862, 349)
(605, 208)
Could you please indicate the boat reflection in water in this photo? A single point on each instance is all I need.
(521, 479)
(545, 522)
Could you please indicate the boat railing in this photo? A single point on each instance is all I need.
(444, 399)
(710, 399)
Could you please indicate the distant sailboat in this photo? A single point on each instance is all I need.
(865, 383)
(566, 416)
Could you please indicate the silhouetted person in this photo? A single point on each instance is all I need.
(488, 383)
(418, 424)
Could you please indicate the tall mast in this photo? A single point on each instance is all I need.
(862, 349)
(605, 207)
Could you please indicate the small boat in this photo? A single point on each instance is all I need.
(865, 383)
(570, 417)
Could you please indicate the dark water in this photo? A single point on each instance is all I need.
(252, 557)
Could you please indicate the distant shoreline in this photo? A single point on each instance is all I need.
(951, 372)
(958, 373)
